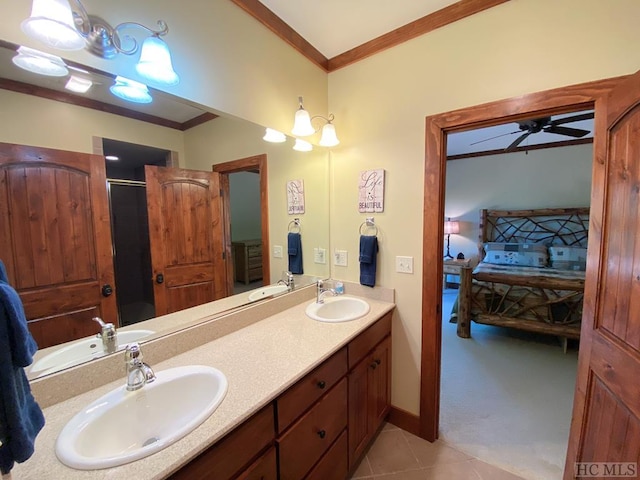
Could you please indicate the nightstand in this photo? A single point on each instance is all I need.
(453, 267)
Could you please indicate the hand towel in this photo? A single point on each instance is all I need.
(368, 256)
(294, 246)
(20, 416)
(3, 273)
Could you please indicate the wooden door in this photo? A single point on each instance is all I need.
(606, 417)
(185, 231)
(379, 385)
(55, 240)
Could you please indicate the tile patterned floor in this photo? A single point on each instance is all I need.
(399, 455)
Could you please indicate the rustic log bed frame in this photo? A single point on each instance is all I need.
(552, 305)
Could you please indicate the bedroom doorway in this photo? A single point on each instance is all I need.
(563, 100)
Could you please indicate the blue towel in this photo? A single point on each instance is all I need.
(294, 247)
(20, 416)
(367, 258)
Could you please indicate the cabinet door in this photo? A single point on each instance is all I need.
(379, 385)
(358, 411)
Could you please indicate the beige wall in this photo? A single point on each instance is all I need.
(29, 120)
(226, 60)
(554, 177)
(380, 104)
(226, 139)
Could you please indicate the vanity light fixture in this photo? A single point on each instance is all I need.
(78, 84)
(302, 145)
(55, 23)
(274, 136)
(130, 90)
(39, 62)
(302, 126)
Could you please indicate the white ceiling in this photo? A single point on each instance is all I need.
(335, 26)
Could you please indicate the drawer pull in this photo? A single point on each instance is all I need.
(322, 434)
(321, 384)
(375, 363)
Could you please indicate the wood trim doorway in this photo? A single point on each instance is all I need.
(256, 163)
(551, 102)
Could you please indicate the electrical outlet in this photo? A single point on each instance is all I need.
(277, 251)
(404, 264)
(340, 258)
(320, 255)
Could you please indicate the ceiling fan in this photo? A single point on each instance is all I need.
(545, 124)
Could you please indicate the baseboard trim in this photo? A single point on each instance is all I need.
(404, 420)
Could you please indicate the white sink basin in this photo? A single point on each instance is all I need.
(83, 350)
(265, 292)
(338, 309)
(124, 426)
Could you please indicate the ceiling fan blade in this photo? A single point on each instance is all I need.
(517, 142)
(574, 118)
(570, 132)
(497, 136)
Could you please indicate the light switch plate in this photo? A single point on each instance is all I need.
(404, 264)
(340, 258)
(277, 251)
(320, 255)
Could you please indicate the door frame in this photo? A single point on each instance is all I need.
(249, 164)
(551, 102)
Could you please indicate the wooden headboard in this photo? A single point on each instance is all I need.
(551, 226)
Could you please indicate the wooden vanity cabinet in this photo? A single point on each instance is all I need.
(369, 386)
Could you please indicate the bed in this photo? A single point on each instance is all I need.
(531, 273)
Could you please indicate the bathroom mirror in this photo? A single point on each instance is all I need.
(29, 119)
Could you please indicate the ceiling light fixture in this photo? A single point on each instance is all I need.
(274, 136)
(302, 126)
(78, 84)
(130, 90)
(113, 158)
(39, 62)
(55, 23)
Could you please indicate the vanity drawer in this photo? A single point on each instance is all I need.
(334, 465)
(303, 394)
(235, 452)
(368, 339)
(307, 440)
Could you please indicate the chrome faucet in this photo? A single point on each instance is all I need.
(138, 372)
(321, 292)
(108, 335)
(287, 279)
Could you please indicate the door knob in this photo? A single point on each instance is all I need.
(107, 290)
(159, 278)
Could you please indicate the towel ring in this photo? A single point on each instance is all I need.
(368, 223)
(296, 225)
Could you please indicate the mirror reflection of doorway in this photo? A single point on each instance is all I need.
(130, 227)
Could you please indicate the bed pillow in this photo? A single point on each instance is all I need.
(568, 258)
(523, 254)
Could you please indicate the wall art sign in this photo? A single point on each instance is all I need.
(295, 197)
(371, 191)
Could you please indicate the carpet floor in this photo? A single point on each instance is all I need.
(507, 396)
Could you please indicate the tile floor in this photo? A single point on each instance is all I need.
(399, 455)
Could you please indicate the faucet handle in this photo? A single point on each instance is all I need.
(132, 353)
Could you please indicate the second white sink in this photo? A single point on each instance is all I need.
(338, 309)
(267, 291)
(124, 426)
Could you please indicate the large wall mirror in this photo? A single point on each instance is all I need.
(34, 113)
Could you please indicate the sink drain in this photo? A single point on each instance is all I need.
(152, 440)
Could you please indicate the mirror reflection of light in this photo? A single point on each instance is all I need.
(302, 145)
(113, 158)
(131, 90)
(39, 62)
(274, 136)
(78, 84)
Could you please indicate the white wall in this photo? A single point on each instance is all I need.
(380, 105)
(244, 197)
(554, 177)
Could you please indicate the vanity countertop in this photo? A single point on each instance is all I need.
(260, 361)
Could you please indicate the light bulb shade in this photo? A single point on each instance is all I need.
(155, 62)
(131, 90)
(302, 124)
(302, 146)
(40, 62)
(51, 22)
(329, 138)
(274, 136)
(451, 226)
